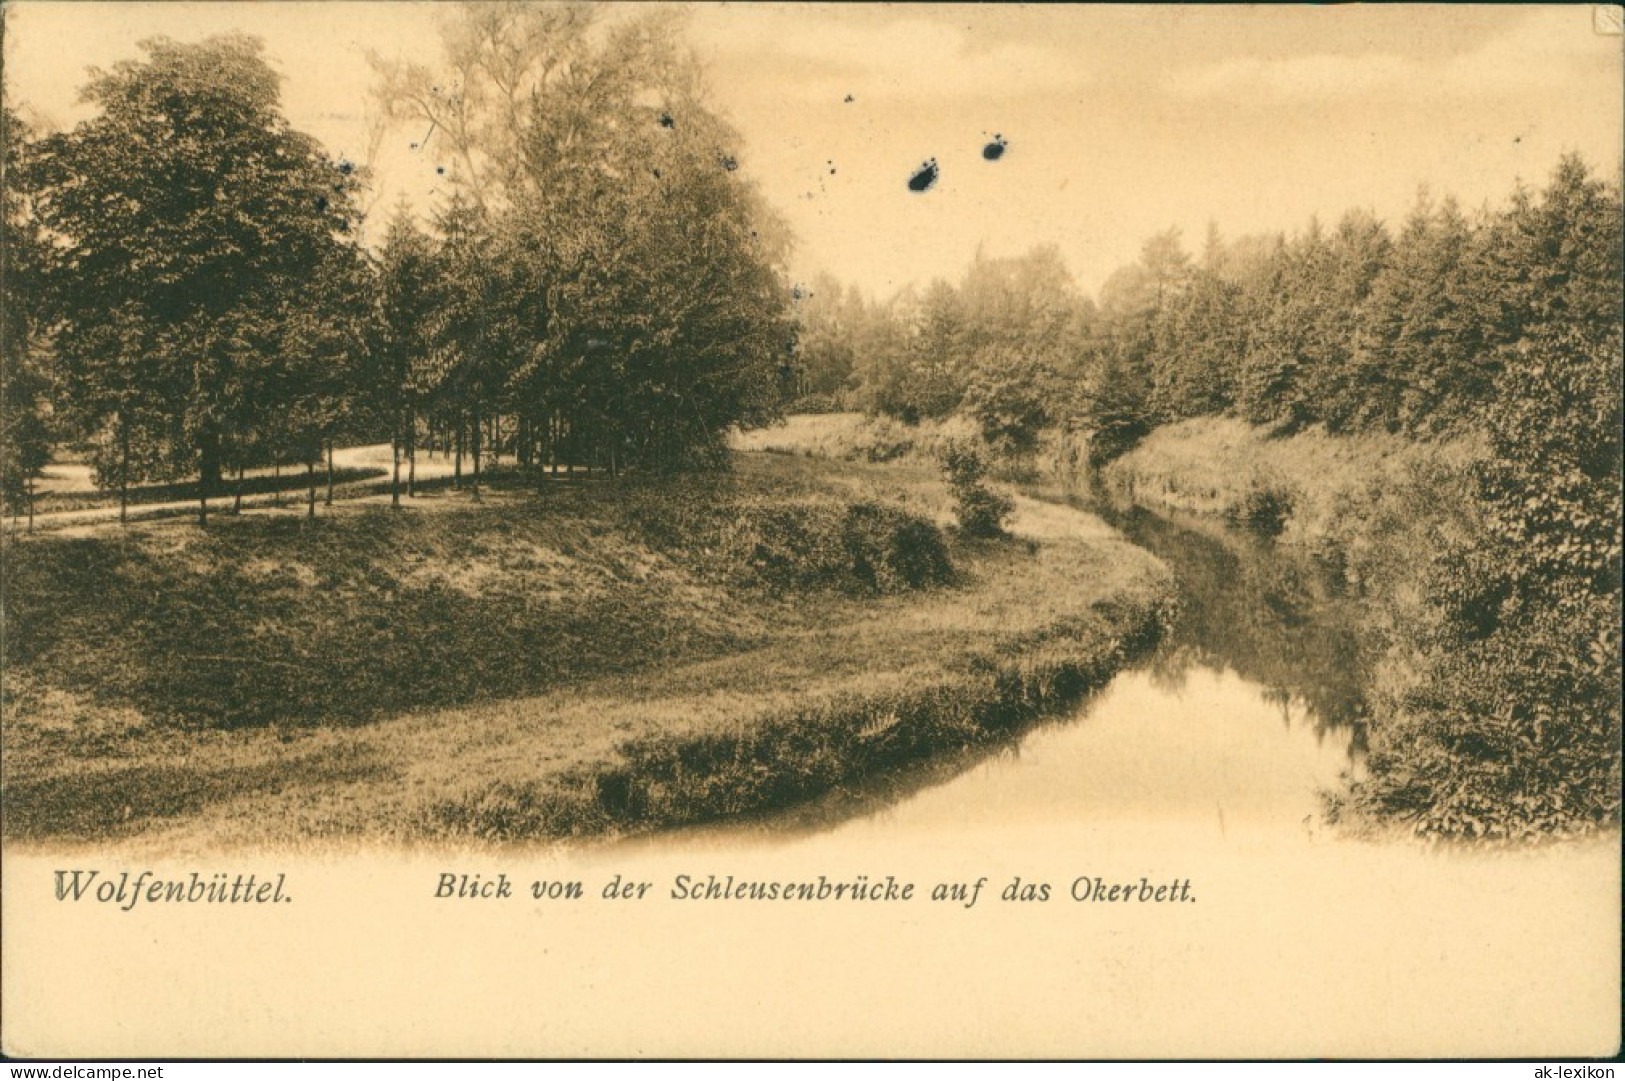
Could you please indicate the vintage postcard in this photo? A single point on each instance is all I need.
(810, 530)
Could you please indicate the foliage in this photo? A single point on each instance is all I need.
(1514, 727)
(609, 279)
(25, 436)
(981, 511)
(860, 547)
(199, 262)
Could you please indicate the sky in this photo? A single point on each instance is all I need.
(1120, 121)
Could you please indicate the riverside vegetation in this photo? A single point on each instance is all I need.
(605, 656)
(1434, 413)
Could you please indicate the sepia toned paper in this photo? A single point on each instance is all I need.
(1292, 939)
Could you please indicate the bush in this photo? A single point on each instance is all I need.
(1264, 508)
(1513, 727)
(819, 402)
(860, 547)
(981, 511)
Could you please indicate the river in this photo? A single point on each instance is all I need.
(1205, 765)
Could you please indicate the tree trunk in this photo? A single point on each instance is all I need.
(395, 471)
(474, 449)
(411, 454)
(276, 482)
(123, 471)
(202, 506)
(31, 504)
(457, 463)
(209, 471)
(237, 496)
(310, 486)
(329, 472)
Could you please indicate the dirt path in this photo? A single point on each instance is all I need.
(288, 501)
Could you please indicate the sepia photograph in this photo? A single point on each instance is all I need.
(553, 530)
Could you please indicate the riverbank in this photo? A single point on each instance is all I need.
(600, 659)
(1488, 604)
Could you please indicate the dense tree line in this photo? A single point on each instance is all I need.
(1353, 327)
(187, 294)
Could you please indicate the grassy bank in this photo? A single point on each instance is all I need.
(602, 657)
(1371, 508)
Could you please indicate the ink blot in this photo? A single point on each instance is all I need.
(849, 100)
(346, 168)
(925, 177)
(994, 150)
(666, 121)
(729, 162)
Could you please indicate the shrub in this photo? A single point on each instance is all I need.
(860, 547)
(981, 511)
(1264, 508)
(1513, 727)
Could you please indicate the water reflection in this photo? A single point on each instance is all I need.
(1263, 611)
(1248, 712)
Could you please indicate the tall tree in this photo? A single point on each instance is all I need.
(403, 354)
(25, 446)
(186, 216)
(611, 278)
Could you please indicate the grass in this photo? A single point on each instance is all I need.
(855, 437)
(603, 657)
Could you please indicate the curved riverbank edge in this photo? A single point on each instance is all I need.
(780, 758)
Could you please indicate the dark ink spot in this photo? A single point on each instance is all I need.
(656, 172)
(925, 177)
(831, 165)
(849, 100)
(321, 202)
(666, 121)
(797, 293)
(440, 170)
(994, 150)
(729, 162)
(346, 168)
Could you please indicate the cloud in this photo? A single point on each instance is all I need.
(1549, 51)
(815, 56)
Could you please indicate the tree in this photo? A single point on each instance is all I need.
(611, 280)
(1514, 727)
(828, 319)
(25, 445)
(403, 352)
(188, 222)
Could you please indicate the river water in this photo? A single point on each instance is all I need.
(1251, 713)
